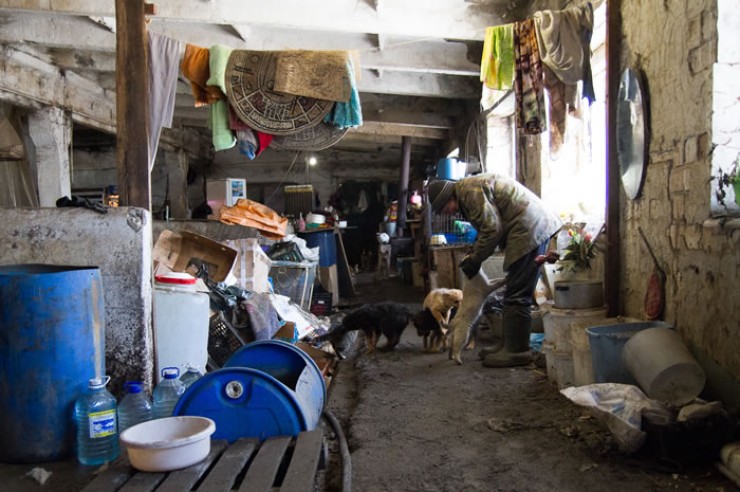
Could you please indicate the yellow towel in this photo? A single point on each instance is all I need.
(497, 62)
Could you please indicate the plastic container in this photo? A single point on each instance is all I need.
(582, 364)
(559, 366)
(294, 280)
(556, 325)
(663, 366)
(192, 374)
(451, 169)
(326, 243)
(268, 388)
(180, 319)
(50, 346)
(167, 393)
(168, 444)
(135, 407)
(95, 416)
(607, 342)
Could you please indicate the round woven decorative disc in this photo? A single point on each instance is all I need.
(319, 137)
(250, 78)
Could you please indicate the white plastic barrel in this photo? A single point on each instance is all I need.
(180, 318)
(663, 366)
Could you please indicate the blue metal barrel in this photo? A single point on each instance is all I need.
(327, 244)
(51, 345)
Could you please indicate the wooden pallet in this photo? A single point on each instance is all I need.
(280, 463)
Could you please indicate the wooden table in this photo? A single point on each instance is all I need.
(279, 463)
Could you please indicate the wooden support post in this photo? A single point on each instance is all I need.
(613, 177)
(132, 105)
(403, 185)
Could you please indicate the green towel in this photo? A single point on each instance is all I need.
(218, 121)
(497, 63)
(217, 60)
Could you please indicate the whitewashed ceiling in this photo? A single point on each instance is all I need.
(420, 58)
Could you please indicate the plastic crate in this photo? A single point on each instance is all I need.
(294, 280)
(223, 340)
(321, 303)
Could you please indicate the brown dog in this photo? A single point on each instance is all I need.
(440, 303)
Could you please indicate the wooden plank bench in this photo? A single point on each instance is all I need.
(279, 463)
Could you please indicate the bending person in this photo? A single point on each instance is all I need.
(505, 214)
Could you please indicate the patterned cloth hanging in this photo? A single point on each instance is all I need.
(531, 115)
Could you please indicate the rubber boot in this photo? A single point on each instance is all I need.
(517, 323)
(494, 321)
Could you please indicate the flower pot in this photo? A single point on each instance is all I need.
(563, 270)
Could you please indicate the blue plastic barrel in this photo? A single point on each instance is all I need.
(327, 246)
(606, 344)
(451, 169)
(267, 388)
(51, 345)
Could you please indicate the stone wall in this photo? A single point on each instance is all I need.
(674, 45)
(119, 243)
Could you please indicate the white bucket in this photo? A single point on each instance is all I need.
(556, 323)
(559, 366)
(663, 366)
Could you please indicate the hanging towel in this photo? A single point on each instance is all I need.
(219, 57)
(497, 63)
(263, 139)
(247, 143)
(531, 113)
(163, 61)
(218, 122)
(195, 68)
(347, 114)
(564, 39)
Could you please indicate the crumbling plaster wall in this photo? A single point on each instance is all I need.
(674, 44)
(119, 243)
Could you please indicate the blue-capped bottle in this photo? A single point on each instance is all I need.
(192, 374)
(167, 392)
(135, 407)
(95, 416)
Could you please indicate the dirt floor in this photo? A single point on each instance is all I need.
(417, 422)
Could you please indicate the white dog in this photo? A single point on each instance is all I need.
(475, 292)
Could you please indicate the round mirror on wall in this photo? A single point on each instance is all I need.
(631, 132)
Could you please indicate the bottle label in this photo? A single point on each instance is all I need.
(102, 424)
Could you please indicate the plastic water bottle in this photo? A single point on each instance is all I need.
(167, 392)
(192, 374)
(95, 416)
(135, 407)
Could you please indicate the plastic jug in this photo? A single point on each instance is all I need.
(95, 416)
(192, 374)
(135, 407)
(167, 393)
(181, 320)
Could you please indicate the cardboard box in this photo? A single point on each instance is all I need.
(287, 333)
(252, 265)
(183, 251)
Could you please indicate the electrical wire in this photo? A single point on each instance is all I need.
(283, 180)
(343, 450)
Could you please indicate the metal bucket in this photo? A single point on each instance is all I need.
(267, 388)
(51, 345)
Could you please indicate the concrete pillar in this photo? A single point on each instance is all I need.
(176, 169)
(50, 131)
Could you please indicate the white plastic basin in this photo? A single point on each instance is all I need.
(168, 444)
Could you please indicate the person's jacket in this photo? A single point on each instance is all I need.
(505, 214)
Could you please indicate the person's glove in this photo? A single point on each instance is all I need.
(469, 266)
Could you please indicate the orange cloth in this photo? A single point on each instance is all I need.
(249, 213)
(194, 67)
